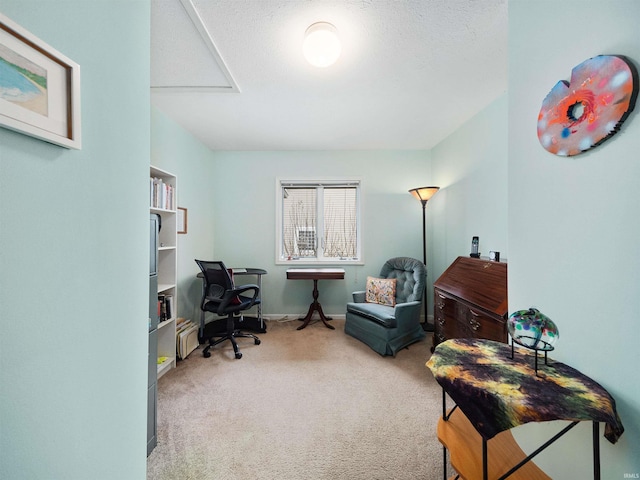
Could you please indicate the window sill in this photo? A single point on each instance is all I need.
(311, 262)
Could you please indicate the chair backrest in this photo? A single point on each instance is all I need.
(216, 277)
(410, 275)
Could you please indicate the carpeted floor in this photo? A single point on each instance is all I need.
(311, 404)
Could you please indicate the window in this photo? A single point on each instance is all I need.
(318, 221)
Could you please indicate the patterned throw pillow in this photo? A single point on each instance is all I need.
(381, 290)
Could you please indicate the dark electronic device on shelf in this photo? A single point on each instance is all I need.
(475, 243)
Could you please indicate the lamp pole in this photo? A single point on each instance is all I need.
(424, 194)
(424, 232)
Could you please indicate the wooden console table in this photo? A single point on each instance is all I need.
(494, 393)
(315, 274)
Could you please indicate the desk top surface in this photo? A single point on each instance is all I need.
(315, 273)
(248, 271)
(241, 271)
(497, 393)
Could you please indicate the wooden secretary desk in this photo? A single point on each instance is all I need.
(471, 301)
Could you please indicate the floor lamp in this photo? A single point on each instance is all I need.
(424, 194)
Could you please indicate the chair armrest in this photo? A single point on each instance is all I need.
(229, 295)
(245, 288)
(359, 297)
(406, 310)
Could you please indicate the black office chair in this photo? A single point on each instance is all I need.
(221, 297)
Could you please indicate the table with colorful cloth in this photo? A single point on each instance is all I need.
(499, 386)
(497, 392)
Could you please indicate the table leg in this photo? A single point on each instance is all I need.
(596, 450)
(315, 307)
(259, 308)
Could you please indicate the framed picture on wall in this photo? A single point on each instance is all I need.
(182, 220)
(39, 88)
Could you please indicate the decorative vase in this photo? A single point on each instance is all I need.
(533, 330)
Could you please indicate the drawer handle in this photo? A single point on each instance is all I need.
(441, 305)
(475, 325)
(441, 321)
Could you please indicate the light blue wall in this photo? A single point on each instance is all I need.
(244, 212)
(73, 368)
(175, 150)
(573, 222)
(73, 258)
(470, 166)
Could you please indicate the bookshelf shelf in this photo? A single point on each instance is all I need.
(166, 323)
(167, 365)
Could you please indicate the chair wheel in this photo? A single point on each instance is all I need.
(206, 354)
(257, 341)
(238, 355)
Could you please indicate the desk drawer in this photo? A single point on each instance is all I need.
(476, 324)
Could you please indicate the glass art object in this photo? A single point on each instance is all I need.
(533, 330)
(582, 114)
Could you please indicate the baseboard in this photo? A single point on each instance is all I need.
(287, 317)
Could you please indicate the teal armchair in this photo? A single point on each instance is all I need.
(385, 328)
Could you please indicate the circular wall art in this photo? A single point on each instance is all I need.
(582, 114)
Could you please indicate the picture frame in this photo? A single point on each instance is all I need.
(40, 93)
(182, 220)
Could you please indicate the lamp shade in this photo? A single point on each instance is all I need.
(321, 45)
(424, 193)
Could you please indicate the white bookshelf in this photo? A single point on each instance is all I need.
(163, 201)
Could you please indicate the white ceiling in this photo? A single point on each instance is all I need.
(411, 71)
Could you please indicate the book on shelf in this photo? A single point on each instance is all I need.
(169, 302)
(165, 306)
(162, 312)
(162, 194)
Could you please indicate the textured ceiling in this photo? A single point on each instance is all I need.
(411, 72)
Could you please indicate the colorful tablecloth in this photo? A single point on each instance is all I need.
(497, 393)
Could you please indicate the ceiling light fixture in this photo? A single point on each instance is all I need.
(321, 45)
